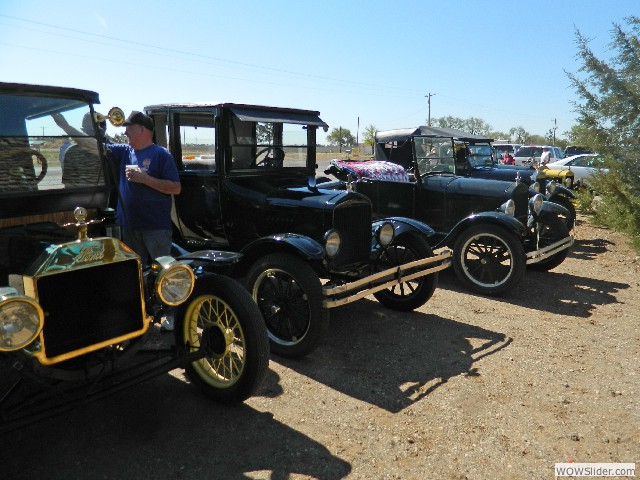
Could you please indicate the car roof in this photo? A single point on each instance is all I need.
(404, 133)
(48, 90)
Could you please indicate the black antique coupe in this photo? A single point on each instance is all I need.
(475, 158)
(248, 184)
(79, 315)
(493, 226)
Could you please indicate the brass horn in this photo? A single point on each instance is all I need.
(115, 117)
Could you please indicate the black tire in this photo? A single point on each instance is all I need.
(289, 295)
(569, 221)
(222, 318)
(553, 228)
(406, 296)
(488, 259)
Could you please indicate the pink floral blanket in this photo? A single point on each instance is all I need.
(374, 169)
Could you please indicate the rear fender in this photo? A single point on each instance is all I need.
(509, 223)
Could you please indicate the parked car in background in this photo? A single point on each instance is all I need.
(530, 154)
(248, 185)
(493, 226)
(583, 167)
(572, 150)
(79, 315)
(500, 148)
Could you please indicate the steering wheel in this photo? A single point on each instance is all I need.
(268, 161)
(19, 152)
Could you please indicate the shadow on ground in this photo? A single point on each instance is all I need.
(165, 429)
(393, 359)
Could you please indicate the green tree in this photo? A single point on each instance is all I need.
(341, 137)
(369, 136)
(473, 125)
(519, 135)
(609, 122)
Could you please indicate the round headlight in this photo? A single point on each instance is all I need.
(21, 320)
(536, 186)
(174, 283)
(536, 203)
(509, 207)
(568, 182)
(385, 234)
(332, 243)
(552, 186)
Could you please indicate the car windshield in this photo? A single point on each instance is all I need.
(480, 155)
(529, 152)
(434, 155)
(47, 143)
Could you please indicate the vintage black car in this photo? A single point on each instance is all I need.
(248, 185)
(475, 158)
(79, 316)
(493, 226)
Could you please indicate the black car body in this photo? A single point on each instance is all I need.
(475, 157)
(493, 226)
(79, 316)
(248, 184)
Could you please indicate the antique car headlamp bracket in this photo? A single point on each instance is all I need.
(174, 280)
(332, 242)
(536, 203)
(21, 320)
(385, 234)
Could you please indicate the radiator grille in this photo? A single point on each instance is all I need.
(90, 305)
(521, 199)
(353, 221)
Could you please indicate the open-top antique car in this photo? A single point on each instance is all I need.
(248, 185)
(79, 315)
(493, 226)
(475, 158)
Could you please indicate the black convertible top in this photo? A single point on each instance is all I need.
(405, 133)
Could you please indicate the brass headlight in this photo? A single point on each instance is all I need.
(21, 320)
(174, 282)
(535, 203)
(551, 187)
(332, 242)
(385, 234)
(509, 207)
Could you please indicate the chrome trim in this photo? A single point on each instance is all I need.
(546, 252)
(391, 276)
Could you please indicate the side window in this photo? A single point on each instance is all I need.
(270, 145)
(47, 144)
(198, 140)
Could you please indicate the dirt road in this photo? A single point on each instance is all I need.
(465, 388)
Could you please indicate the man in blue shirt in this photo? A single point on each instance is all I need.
(148, 178)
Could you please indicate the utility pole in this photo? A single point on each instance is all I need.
(555, 127)
(428, 96)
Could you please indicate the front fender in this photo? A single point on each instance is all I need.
(306, 247)
(552, 208)
(561, 191)
(500, 219)
(403, 225)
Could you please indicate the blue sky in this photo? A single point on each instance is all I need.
(372, 62)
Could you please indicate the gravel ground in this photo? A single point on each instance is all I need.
(467, 387)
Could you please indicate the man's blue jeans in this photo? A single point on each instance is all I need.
(149, 244)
